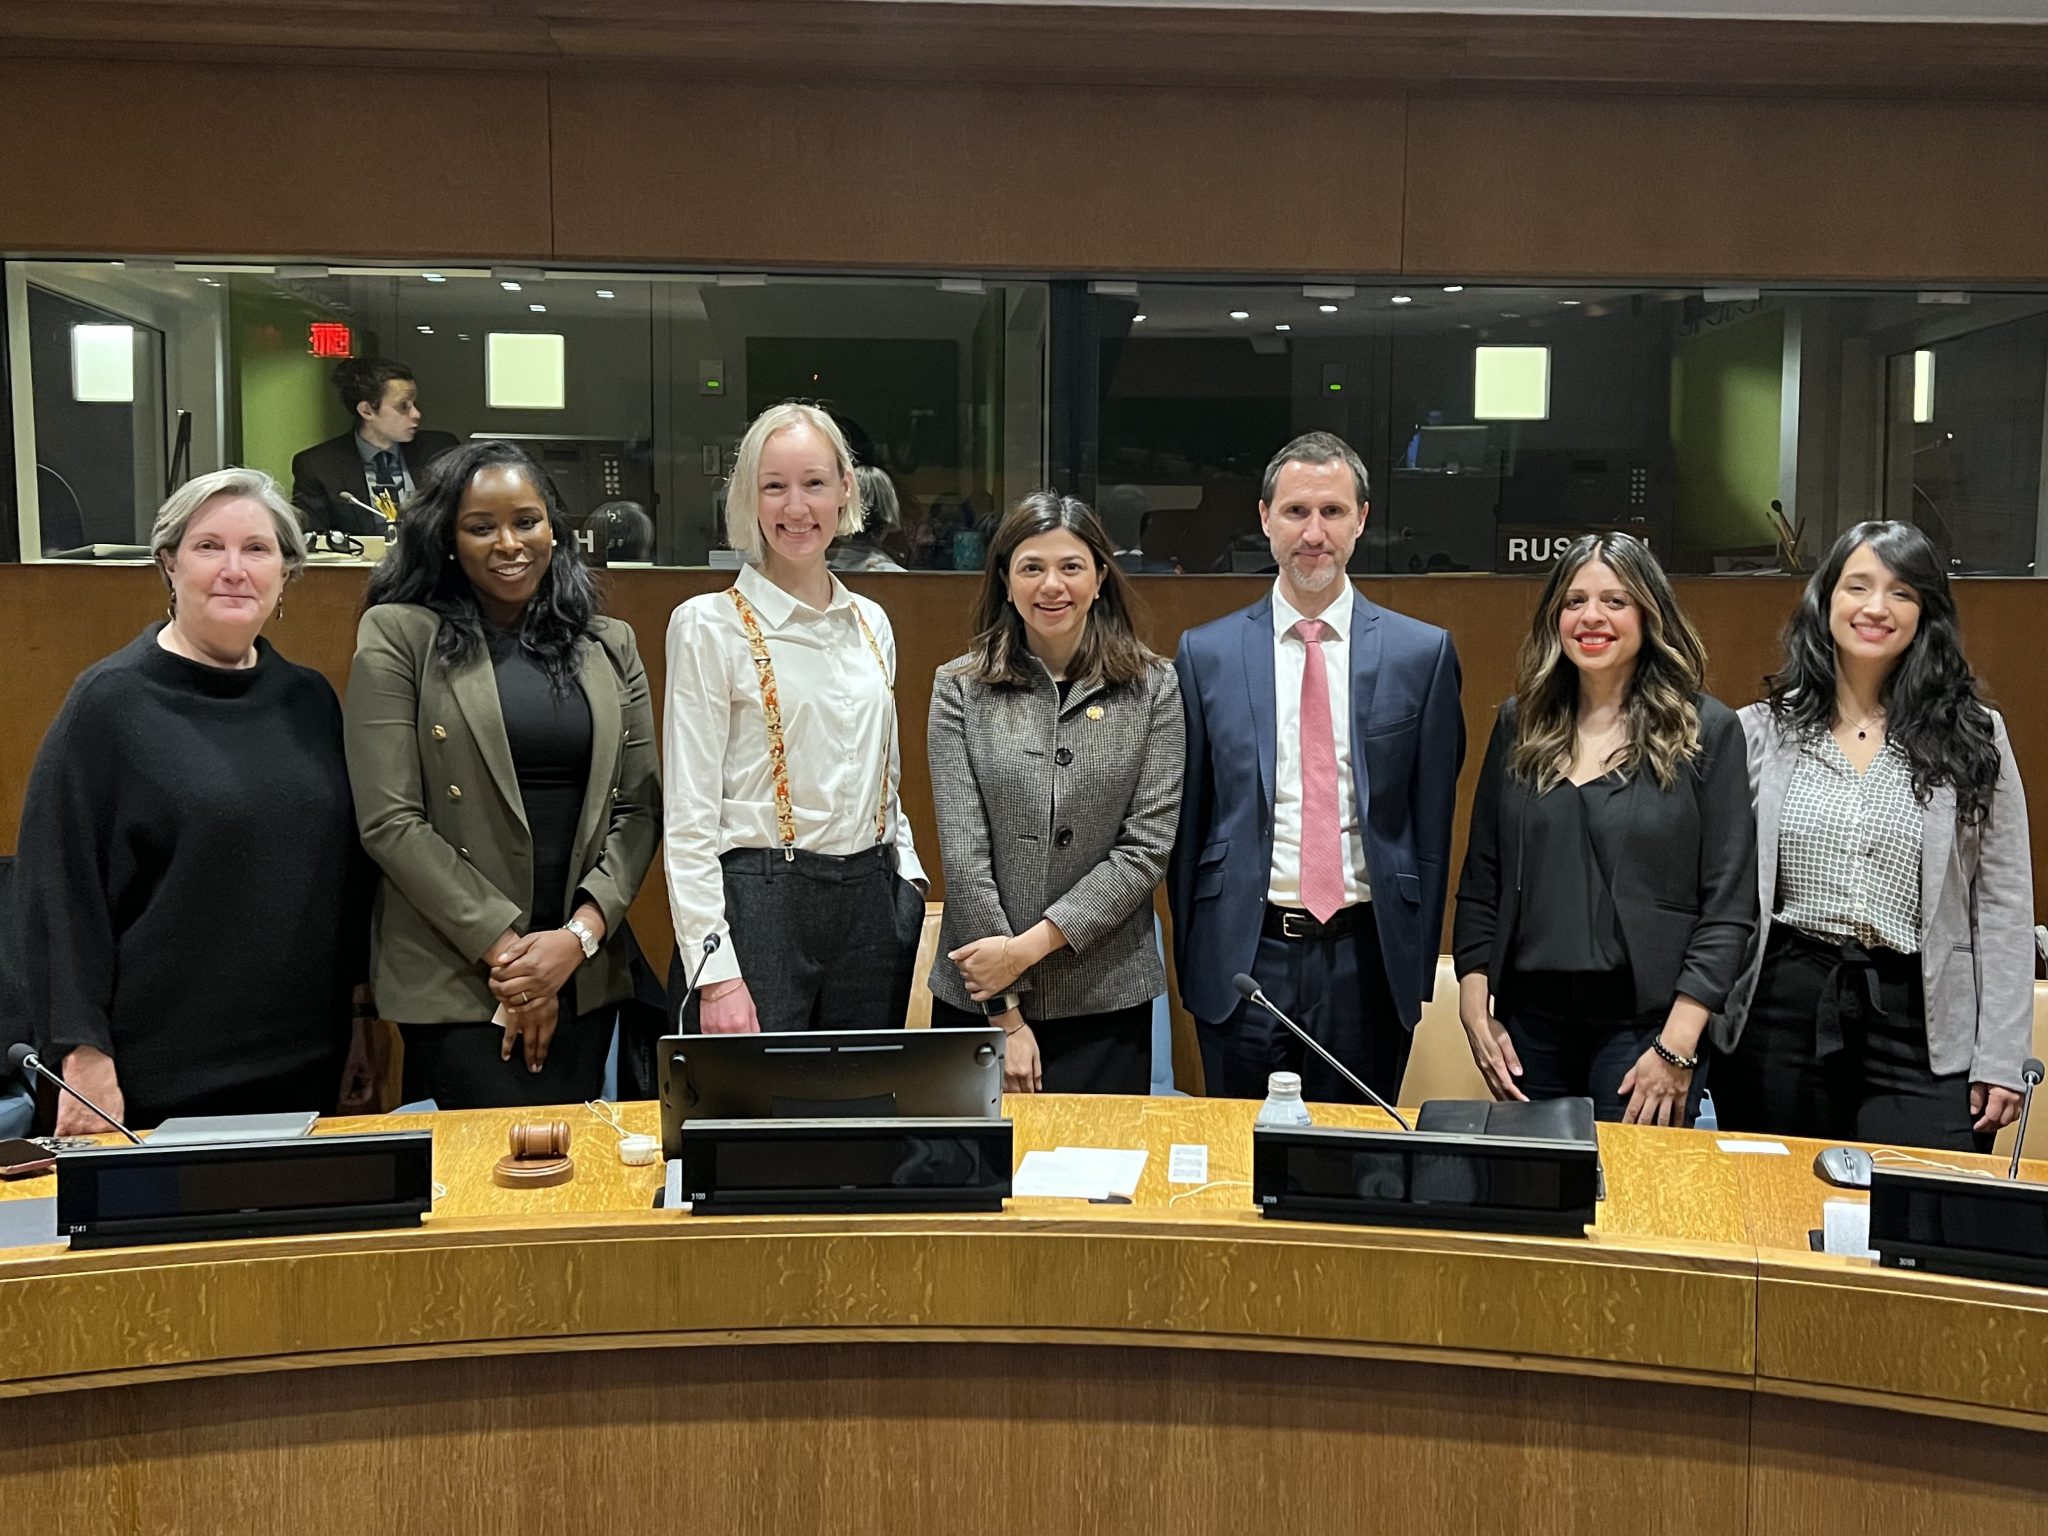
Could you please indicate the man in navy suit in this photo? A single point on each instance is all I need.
(1323, 747)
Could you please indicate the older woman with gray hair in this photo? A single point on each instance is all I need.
(194, 900)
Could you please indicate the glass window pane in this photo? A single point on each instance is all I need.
(632, 388)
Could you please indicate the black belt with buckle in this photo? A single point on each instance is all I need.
(1293, 923)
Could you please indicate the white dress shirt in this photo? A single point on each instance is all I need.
(1290, 652)
(838, 728)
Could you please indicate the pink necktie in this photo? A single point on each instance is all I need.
(1322, 841)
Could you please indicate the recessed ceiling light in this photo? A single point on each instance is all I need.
(426, 330)
(538, 309)
(1401, 298)
(1328, 309)
(509, 286)
(1137, 319)
(462, 335)
(606, 293)
(1454, 287)
(1240, 314)
(1570, 303)
(1511, 314)
(433, 277)
(1283, 327)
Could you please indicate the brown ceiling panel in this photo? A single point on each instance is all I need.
(277, 160)
(1700, 187)
(990, 177)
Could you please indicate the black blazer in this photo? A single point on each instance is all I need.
(1684, 877)
(324, 471)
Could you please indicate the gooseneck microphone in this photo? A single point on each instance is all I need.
(711, 943)
(22, 1058)
(2030, 1075)
(1251, 993)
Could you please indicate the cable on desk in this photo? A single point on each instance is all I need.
(1212, 1184)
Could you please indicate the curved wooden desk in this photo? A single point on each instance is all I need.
(1177, 1363)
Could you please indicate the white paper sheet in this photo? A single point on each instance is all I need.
(1753, 1148)
(1188, 1163)
(1079, 1173)
(1845, 1228)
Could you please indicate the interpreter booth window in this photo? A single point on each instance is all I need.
(631, 388)
(1734, 429)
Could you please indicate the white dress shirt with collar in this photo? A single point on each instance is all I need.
(1283, 886)
(838, 728)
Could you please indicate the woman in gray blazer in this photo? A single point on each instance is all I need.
(501, 751)
(1055, 748)
(1890, 996)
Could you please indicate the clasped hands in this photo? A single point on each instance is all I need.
(527, 974)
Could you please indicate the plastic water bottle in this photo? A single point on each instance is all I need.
(1283, 1104)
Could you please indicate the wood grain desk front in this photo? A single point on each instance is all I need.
(1178, 1363)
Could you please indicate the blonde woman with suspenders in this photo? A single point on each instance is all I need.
(785, 838)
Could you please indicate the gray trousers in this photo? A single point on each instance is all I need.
(823, 942)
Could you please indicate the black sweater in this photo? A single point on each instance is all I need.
(193, 898)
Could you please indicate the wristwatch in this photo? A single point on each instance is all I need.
(996, 1007)
(584, 936)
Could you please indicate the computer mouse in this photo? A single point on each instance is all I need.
(1847, 1167)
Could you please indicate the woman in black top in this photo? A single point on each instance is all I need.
(194, 902)
(1609, 890)
(502, 752)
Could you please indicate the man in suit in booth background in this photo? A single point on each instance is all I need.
(376, 463)
(1324, 741)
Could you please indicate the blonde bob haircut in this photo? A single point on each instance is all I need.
(743, 486)
(176, 514)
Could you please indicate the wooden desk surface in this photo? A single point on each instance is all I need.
(1697, 1271)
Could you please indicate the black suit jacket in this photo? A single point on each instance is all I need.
(1684, 876)
(324, 471)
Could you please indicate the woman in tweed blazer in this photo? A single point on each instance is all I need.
(1890, 994)
(1055, 747)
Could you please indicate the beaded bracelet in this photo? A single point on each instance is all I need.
(1683, 1063)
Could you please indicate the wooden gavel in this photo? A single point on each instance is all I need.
(539, 1156)
(539, 1138)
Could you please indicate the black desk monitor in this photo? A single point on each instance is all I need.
(829, 1074)
(1453, 449)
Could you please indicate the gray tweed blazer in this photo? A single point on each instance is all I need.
(1060, 811)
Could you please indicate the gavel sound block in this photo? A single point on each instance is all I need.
(539, 1156)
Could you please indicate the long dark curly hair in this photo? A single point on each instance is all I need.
(1934, 708)
(419, 569)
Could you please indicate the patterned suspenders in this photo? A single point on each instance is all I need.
(771, 710)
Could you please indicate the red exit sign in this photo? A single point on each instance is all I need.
(330, 338)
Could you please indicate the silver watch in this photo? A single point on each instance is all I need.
(584, 936)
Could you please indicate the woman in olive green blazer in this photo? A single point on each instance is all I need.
(501, 751)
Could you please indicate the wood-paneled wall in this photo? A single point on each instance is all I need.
(1096, 139)
(56, 620)
(1049, 176)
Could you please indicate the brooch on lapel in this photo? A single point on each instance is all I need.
(1094, 711)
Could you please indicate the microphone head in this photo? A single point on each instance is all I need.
(2030, 1070)
(711, 942)
(1246, 987)
(18, 1056)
